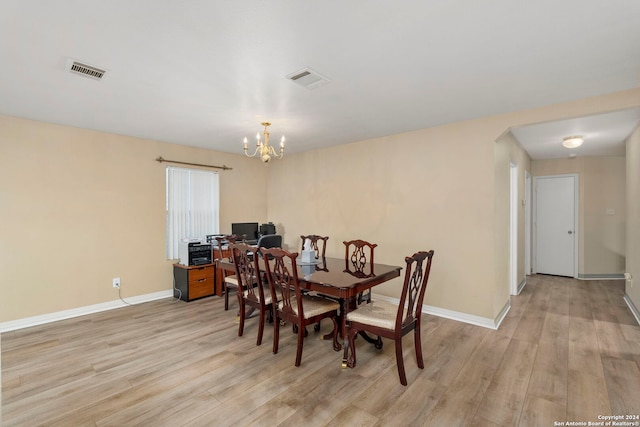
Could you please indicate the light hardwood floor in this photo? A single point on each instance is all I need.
(568, 350)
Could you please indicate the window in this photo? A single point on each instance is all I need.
(192, 206)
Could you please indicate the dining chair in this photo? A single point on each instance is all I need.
(358, 255)
(318, 244)
(294, 306)
(255, 293)
(393, 321)
(229, 281)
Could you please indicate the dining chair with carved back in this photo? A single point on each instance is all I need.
(358, 256)
(253, 291)
(318, 244)
(229, 281)
(393, 321)
(293, 305)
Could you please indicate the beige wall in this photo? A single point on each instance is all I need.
(441, 188)
(507, 151)
(633, 217)
(605, 215)
(429, 189)
(81, 207)
(601, 236)
(436, 188)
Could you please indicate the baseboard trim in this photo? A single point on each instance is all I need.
(27, 322)
(522, 284)
(633, 308)
(456, 315)
(502, 315)
(612, 276)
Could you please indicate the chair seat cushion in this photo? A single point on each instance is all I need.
(267, 295)
(231, 280)
(378, 313)
(312, 305)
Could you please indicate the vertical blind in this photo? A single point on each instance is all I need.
(192, 206)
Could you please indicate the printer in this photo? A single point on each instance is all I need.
(194, 252)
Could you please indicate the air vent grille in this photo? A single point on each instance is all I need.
(308, 78)
(301, 75)
(86, 70)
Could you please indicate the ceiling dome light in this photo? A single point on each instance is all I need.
(572, 141)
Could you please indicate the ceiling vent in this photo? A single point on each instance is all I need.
(85, 70)
(308, 78)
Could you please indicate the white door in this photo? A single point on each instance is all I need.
(555, 225)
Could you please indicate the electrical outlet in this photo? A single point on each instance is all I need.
(116, 282)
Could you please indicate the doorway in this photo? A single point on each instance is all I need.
(513, 229)
(527, 223)
(555, 225)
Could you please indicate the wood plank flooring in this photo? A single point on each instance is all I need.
(568, 350)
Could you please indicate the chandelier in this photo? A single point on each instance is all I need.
(263, 149)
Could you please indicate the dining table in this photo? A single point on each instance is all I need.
(337, 278)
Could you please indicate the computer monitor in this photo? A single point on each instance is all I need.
(249, 229)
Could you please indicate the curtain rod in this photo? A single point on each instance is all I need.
(223, 167)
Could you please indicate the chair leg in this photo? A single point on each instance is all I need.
(241, 319)
(225, 289)
(418, 343)
(400, 361)
(241, 306)
(364, 296)
(261, 326)
(276, 333)
(301, 331)
(294, 328)
(378, 343)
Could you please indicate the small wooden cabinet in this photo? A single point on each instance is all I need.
(193, 281)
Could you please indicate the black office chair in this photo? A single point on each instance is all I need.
(269, 241)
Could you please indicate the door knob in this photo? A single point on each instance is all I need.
(570, 232)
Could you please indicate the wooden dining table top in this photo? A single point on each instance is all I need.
(335, 277)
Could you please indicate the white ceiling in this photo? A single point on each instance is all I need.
(603, 134)
(206, 73)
